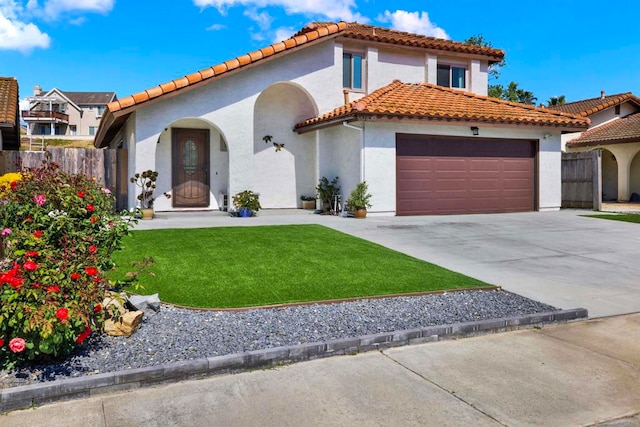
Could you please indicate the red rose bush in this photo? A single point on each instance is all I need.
(58, 233)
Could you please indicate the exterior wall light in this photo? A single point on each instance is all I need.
(475, 130)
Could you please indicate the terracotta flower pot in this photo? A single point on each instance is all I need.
(361, 213)
(147, 213)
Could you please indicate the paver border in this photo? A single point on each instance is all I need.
(91, 385)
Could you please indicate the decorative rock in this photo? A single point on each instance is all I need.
(125, 325)
(144, 302)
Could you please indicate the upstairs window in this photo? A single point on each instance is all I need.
(352, 70)
(451, 76)
(617, 110)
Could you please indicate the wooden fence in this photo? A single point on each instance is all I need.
(582, 180)
(108, 167)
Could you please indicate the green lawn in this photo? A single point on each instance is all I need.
(617, 217)
(250, 266)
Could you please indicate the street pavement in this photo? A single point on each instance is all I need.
(576, 374)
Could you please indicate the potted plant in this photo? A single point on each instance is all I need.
(358, 201)
(247, 203)
(147, 183)
(327, 192)
(308, 202)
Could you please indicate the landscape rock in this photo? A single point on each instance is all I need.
(146, 303)
(125, 325)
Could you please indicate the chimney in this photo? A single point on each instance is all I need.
(601, 94)
(37, 90)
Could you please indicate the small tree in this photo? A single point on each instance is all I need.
(359, 198)
(147, 183)
(328, 190)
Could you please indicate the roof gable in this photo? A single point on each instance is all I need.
(59, 94)
(625, 129)
(424, 101)
(90, 98)
(588, 107)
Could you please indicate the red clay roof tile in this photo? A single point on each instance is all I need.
(154, 92)
(181, 82)
(219, 69)
(207, 73)
(194, 77)
(8, 100)
(426, 101)
(587, 107)
(243, 60)
(625, 129)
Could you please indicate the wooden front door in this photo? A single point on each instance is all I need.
(190, 148)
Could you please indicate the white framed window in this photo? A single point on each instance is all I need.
(92, 130)
(73, 129)
(353, 71)
(100, 110)
(452, 76)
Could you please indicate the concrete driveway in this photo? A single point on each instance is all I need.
(559, 258)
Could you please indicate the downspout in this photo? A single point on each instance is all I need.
(361, 129)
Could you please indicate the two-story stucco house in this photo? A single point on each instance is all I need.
(57, 112)
(405, 112)
(615, 129)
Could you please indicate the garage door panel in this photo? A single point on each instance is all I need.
(439, 175)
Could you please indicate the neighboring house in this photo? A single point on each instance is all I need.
(615, 128)
(57, 112)
(405, 112)
(9, 120)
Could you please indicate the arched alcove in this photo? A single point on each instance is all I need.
(285, 171)
(609, 176)
(634, 177)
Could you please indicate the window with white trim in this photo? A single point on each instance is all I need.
(92, 130)
(452, 76)
(353, 71)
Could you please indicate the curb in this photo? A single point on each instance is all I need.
(91, 385)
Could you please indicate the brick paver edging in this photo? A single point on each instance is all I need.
(91, 385)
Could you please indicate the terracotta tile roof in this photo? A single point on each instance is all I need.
(389, 36)
(591, 106)
(8, 100)
(307, 35)
(626, 129)
(90, 98)
(426, 101)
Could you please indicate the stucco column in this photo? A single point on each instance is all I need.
(624, 166)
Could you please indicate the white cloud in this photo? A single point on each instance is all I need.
(331, 9)
(283, 33)
(54, 8)
(413, 22)
(16, 34)
(216, 27)
(263, 19)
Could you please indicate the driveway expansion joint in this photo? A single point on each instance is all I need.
(26, 396)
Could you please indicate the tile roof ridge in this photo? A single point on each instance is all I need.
(294, 41)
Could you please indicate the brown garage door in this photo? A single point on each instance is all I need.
(445, 175)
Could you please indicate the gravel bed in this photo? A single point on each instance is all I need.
(176, 334)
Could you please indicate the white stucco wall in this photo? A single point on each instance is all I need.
(386, 65)
(340, 155)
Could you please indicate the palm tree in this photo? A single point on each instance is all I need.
(556, 100)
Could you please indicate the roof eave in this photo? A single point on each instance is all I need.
(572, 144)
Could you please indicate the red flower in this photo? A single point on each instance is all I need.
(30, 266)
(81, 194)
(84, 335)
(15, 282)
(52, 289)
(17, 345)
(93, 249)
(1, 342)
(13, 185)
(90, 208)
(28, 218)
(111, 223)
(36, 285)
(91, 271)
(94, 219)
(75, 276)
(31, 254)
(38, 234)
(97, 308)
(62, 314)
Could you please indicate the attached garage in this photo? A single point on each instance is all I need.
(451, 175)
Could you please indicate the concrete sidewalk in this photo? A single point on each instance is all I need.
(581, 373)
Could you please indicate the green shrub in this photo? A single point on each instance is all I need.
(58, 233)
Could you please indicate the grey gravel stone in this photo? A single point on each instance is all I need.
(149, 304)
(176, 334)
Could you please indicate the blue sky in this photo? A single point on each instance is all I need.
(552, 47)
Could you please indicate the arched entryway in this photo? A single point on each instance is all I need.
(634, 178)
(609, 176)
(284, 162)
(196, 154)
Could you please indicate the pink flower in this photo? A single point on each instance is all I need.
(40, 199)
(106, 191)
(17, 345)
(6, 232)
